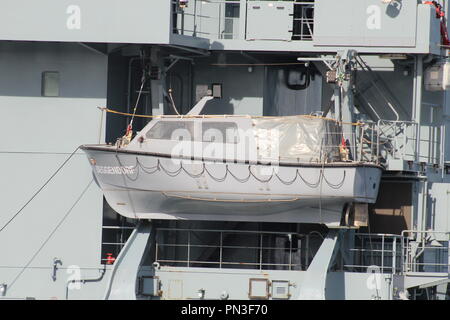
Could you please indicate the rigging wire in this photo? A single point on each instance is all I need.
(51, 234)
(39, 190)
(129, 131)
(137, 101)
(372, 259)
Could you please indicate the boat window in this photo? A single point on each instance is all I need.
(225, 132)
(172, 130)
(50, 84)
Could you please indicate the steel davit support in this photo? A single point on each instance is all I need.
(122, 282)
(314, 285)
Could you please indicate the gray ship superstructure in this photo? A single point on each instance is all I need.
(121, 224)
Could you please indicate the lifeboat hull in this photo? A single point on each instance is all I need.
(154, 186)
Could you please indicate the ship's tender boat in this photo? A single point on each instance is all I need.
(237, 168)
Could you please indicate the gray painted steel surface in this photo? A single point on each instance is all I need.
(64, 220)
(376, 27)
(138, 21)
(41, 132)
(372, 24)
(122, 281)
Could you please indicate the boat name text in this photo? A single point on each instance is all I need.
(115, 170)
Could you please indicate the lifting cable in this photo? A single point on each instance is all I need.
(40, 189)
(130, 126)
(129, 131)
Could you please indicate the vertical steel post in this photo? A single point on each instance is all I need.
(403, 262)
(194, 33)
(373, 147)
(260, 251)
(378, 142)
(219, 34)
(382, 253)
(448, 254)
(394, 255)
(242, 19)
(361, 128)
(156, 251)
(290, 251)
(189, 249)
(307, 252)
(417, 107)
(221, 250)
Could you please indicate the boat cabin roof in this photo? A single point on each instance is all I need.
(303, 138)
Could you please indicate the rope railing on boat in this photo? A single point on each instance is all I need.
(221, 116)
(158, 167)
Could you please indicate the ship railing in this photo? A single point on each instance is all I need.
(366, 144)
(261, 250)
(383, 141)
(303, 21)
(410, 252)
(373, 252)
(118, 236)
(361, 143)
(398, 139)
(212, 19)
(220, 19)
(426, 251)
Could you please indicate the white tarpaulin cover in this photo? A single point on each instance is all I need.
(297, 139)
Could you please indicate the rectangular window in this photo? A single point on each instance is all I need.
(172, 130)
(50, 84)
(222, 132)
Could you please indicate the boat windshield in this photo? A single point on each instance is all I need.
(217, 131)
(212, 131)
(172, 130)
